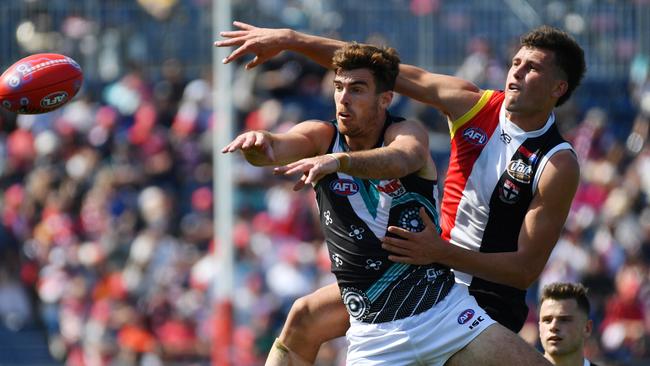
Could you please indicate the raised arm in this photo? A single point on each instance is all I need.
(265, 43)
(451, 95)
(538, 235)
(260, 148)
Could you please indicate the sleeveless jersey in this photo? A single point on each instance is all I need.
(493, 174)
(355, 214)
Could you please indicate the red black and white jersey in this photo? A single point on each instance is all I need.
(493, 174)
(355, 214)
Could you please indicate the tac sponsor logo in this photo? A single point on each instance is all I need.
(520, 171)
(475, 136)
(54, 99)
(466, 316)
(344, 187)
(509, 192)
(393, 188)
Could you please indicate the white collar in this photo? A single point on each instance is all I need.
(586, 363)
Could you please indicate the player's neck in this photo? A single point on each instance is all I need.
(529, 122)
(572, 359)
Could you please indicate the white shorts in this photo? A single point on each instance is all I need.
(428, 338)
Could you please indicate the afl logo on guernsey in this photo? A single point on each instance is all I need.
(465, 316)
(475, 136)
(344, 187)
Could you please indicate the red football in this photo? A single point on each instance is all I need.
(40, 83)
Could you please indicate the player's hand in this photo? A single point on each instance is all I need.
(256, 146)
(265, 43)
(312, 169)
(419, 248)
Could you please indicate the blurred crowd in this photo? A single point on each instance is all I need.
(106, 230)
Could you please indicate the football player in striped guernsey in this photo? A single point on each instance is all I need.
(371, 170)
(510, 183)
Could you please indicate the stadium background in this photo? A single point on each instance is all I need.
(106, 230)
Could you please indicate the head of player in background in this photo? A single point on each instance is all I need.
(363, 86)
(564, 322)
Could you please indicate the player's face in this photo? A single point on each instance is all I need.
(534, 82)
(358, 106)
(563, 327)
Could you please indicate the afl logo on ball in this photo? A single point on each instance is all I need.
(465, 316)
(54, 99)
(344, 187)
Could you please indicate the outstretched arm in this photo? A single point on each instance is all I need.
(452, 95)
(262, 148)
(539, 233)
(405, 152)
(266, 43)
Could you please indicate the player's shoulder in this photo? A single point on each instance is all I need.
(565, 162)
(405, 124)
(313, 125)
(562, 170)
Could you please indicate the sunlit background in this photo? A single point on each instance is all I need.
(106, 231)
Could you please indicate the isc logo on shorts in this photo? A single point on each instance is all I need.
(344, 187)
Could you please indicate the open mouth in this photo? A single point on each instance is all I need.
(513, 87)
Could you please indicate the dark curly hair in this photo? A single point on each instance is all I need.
(569, 56)
(383, 62)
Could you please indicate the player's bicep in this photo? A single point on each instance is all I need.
(409, 141)
(306, 139)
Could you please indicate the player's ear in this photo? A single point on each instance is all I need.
(560, 88)
(589, 325)
(385, 98)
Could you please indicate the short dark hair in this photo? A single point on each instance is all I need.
(569, 56)
(567, 291)
(383, 62)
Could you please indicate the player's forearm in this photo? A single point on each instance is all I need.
(381, 163)
(256, 158)
(506, 268)
(319, 49)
